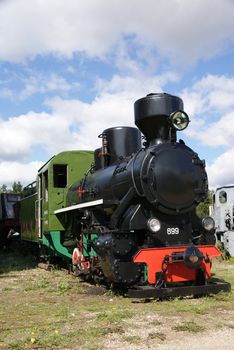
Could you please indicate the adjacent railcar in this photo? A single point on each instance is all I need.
(223, 213)
(9, 216)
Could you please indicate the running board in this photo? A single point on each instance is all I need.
(79, 206)
(153, 292)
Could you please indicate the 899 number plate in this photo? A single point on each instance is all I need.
(173, 230)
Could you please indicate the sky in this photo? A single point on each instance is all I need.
(70, 69)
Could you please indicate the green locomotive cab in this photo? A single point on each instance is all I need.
(39, 223)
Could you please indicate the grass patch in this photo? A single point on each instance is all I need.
(52, 339)
(189, 326)
(133, 339)
(7, 289)
(114, 315)
(158, 335)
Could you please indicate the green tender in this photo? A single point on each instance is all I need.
(38, 221)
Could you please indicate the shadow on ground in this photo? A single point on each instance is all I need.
(15, 259)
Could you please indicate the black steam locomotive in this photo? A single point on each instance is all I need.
(133, 214)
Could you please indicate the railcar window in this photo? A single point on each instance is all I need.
(13, 197)
(60, 175)
(10, 206)
(223, 197)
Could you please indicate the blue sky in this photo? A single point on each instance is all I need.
(70, 69)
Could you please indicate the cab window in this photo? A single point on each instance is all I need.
(223, 197)
(60, 175)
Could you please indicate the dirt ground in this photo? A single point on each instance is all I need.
(51, 310)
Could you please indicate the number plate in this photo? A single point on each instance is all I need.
(173, 230)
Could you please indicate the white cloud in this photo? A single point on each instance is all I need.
(220, 133)
(113, 105)
(19, 134)
(87, 121)
(17, 171)
(135, 86)
(183, 30)
(210, 103)
(73, 124)
(35, 83)
(220, 173)
(44, 84)
(212, 93)
(136, 37)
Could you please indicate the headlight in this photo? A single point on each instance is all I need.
(179, 120)
(154, 224)
(208, 223)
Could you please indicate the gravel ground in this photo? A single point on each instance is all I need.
(158, 337)
(50, 310)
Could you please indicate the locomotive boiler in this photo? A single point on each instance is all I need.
(133, 214)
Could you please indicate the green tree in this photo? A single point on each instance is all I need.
(17, 187)
(4, 189)
(203, 208)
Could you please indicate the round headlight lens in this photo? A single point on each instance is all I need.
(208, 223)
(179, 120)
(154, 224)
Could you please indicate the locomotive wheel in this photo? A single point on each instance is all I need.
(78, 261)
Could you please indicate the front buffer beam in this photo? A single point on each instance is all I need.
(170, 292)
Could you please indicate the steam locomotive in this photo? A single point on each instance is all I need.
(134, 211)
(131, 220)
